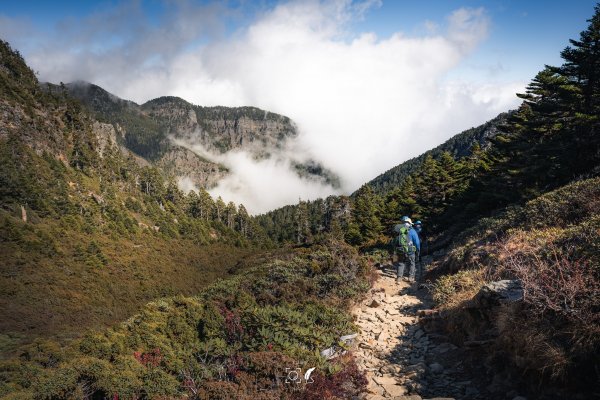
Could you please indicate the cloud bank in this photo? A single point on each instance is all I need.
(362, 103)
(264, 184)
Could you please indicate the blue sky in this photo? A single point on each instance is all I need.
(524, 34)
(369, 83)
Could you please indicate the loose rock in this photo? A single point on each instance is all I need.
(436, 368)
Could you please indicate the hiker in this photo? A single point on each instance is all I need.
(406, 246)
(418, 226)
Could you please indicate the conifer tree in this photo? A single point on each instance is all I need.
(206, 204)
(173, 194)
(582, 70)
(302, 223)
(390, 213)
(193, 205)
(407, 203)
(243, 221)
(219, 209)
(449, 178)
(365, 213)
(230, 214)
(338, 215)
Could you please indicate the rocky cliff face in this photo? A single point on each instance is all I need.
(183, 163)
(221, 129)
(106, 137)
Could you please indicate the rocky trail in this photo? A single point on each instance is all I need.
(402, 361)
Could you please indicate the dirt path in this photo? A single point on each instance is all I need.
(401, 360)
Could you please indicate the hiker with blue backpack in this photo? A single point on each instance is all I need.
(406, 247)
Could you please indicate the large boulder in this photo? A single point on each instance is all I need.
(499, 292)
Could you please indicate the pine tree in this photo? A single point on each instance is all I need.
(193, 205)
(427, 185)
(448, 180)
(582, 70)
(173, 194)
(230, 215)
(219, 210)
(206, 204)
(243, 221)
(390, 213)
(302, 223)
(366, 211)
(408, 204)
(476, 163)
(337, 215)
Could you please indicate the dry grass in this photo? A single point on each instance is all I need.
(530, 345)
(557, 331)
(450, 291)
(552, 245)
(53, 286)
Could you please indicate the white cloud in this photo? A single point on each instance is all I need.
(362, 103)
(263, 184)
(266, 184)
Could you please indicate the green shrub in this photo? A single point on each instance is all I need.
(229, 332)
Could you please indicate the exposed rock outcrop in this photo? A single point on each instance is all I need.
(106, 137)
(220, 129)
(499, 292)
(152, 130)
(184, 163)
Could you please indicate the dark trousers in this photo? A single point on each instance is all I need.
(404, 259)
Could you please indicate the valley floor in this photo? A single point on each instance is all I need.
(404, 362)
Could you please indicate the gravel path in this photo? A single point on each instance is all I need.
(398, 356)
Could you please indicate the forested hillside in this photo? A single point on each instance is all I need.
(89, 235)
(549, 141)
(458, 146)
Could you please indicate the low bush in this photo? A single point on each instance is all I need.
(451, 290)
(222, 341)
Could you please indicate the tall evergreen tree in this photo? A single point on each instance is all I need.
(243, 221)
(207, 205)
(301, 221)
(366, 211)
(230, 214)
(219, 210)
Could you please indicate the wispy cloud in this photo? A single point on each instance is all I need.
(362, 103)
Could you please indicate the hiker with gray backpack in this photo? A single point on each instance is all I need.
(406, 245)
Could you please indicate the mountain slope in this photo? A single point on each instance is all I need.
(458, 146)
(90, 232)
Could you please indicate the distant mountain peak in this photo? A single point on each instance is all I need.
(152, 129)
